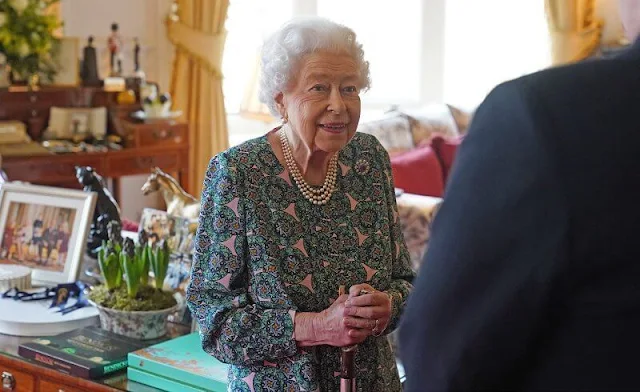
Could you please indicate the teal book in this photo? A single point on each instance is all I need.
(178, 365)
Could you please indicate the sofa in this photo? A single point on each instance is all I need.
(422, 145)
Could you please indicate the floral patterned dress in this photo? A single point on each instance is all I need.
(263, 252)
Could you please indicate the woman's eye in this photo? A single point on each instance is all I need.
(318, 87)
(350, 89)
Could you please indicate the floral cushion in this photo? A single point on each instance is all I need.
(431, 119)
(462, 118)
(393, 131)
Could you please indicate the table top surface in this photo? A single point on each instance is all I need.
(9, 347)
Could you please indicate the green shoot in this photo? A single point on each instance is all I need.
(160, 262)
(110, 267)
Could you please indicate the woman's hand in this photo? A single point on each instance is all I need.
(371, 311)
(331, 326)
(328, 327)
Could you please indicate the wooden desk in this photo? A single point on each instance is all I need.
(59, 170)
(29, 376)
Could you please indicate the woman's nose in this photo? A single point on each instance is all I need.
(336, 103)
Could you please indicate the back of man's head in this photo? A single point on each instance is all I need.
(630, 16)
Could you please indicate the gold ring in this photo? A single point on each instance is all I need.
(375, 331)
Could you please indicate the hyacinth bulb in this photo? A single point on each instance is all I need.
(129, 247)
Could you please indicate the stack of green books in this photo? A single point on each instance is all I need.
(178, 365)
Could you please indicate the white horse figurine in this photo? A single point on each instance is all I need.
(178, 201)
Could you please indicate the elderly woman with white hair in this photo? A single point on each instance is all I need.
(291, 218)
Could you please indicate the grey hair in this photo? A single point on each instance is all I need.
(283, 50)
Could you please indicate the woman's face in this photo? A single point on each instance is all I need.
(322, 102)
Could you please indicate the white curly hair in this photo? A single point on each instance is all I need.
(283, 50)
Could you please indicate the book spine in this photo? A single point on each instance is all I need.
(107, 369)
(54, 363)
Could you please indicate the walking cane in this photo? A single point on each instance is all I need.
(347, 357)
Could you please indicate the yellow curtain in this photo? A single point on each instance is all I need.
(575, 31)
(197, 31)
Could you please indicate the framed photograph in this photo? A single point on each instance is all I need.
(70, 123)
(45, 229)
(68, 61)
(159, 225)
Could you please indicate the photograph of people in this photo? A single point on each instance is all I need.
(37, 235)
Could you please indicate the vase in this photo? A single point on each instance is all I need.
(142, 325)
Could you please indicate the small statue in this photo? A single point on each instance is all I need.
(115, 49)
(136, 55)
(177, 200)
(89, 71)
(106, 210)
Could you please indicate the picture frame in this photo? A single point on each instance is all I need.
(45, 228)
(68, 61)
(159, 225)
(71, 123)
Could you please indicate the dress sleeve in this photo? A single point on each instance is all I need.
(401, 272)
(232, 328)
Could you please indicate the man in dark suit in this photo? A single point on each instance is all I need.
(532, 278)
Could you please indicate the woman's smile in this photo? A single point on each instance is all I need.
(334, 127)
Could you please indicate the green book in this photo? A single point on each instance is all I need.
(178, 365)
(88, 352)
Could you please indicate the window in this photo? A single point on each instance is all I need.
(393, 48)
(420, 51)
(248, 24)
(488, 42)
(390, 33)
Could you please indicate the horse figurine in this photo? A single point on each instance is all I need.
(178, 201)
(106, 210)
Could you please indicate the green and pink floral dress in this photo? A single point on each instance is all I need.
(263, 252)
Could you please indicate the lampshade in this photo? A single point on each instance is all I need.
(251, 107)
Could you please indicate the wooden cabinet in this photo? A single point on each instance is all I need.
(59, 170)
(32, 107)
(14, 380)
(163, 144)
(34, 378)
(50, 386)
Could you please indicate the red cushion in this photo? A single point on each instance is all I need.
(446, 149)
(418, 171)
(129, 225)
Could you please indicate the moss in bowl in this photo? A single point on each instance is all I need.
(128, 304)
(147, 298)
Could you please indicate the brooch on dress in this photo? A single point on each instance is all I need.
(362, 166)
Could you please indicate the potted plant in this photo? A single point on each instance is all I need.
(27, 39)
(127, 302)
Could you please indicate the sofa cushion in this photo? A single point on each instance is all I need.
(462, 118)
(393, 131)
(446, 149)
(431, 119)
(418, 171)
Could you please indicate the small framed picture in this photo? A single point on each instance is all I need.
(71, 123)
(45, 229)
(68, 62)
(176, 230)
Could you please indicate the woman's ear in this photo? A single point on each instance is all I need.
(279, 99)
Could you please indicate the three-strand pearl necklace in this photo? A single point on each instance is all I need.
(316, 195)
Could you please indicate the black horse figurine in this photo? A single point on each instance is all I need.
(106, 210)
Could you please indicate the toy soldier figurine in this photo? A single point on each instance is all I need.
(89, 72)
(115, 48)
(136, 55)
